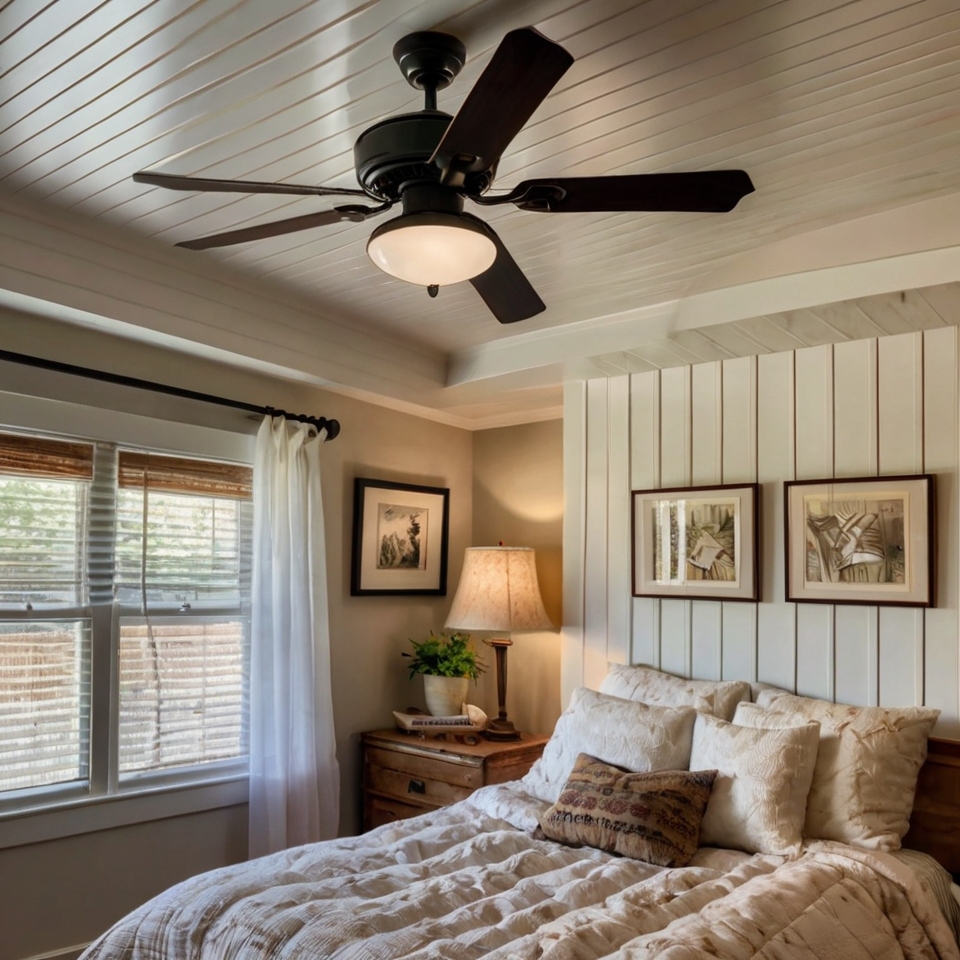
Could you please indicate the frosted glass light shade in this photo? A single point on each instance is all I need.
(498, 590)
(431, 248)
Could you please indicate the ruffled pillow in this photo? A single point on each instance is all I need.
(716, 697)
(867, 767)
(648, 816)
(632, 735)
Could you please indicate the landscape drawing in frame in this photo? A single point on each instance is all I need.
(865, 540)
(400, 534)
(696, 542)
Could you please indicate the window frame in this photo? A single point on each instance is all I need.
(106, 800)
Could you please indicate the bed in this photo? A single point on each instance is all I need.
(519, 871)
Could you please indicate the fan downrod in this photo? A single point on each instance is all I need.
(430, 61)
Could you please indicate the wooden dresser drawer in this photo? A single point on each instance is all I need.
(453, 771)
(378, 811)
(405, 775)
(414, 786)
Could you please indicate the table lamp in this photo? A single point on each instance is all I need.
(499, 591)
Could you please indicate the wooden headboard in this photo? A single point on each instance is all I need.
(935, 823)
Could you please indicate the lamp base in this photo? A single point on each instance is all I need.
(502, 730)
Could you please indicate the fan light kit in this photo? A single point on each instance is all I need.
(432, 249)
(430, 162)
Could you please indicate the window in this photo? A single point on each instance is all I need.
(124, 619)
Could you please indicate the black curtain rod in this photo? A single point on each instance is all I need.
(321, 423)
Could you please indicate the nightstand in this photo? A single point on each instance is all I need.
(405, 775)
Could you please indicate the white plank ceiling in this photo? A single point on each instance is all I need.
(838, 111)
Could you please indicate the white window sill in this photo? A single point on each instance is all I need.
(68, 818)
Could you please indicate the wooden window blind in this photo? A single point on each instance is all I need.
(40, 457)
(179, 475)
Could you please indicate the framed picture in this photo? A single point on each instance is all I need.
(864, 540)
(400, 533)
(696, 542)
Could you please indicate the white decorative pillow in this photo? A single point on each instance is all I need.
(760, 793)
(753, 715)
(867, 766)
(758, 687)
(716, 697)
(635, 736)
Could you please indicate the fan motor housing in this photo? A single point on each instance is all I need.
(396, 152)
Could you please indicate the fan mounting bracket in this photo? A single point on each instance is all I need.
(430, 61)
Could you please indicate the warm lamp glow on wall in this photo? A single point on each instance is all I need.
(499, 591)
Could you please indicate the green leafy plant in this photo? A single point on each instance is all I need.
(445, 655)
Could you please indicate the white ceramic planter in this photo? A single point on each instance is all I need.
(444, 695)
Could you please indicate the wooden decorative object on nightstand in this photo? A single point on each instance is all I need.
(405, 775)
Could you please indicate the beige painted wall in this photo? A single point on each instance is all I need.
(367, 633)
(63, 893)
(518, 498)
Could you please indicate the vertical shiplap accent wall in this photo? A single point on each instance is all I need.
(644, 474)
(574, 539)
(859, 408)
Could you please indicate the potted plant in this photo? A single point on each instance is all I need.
(447, 662)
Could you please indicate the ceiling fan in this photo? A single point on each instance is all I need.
(429, 162)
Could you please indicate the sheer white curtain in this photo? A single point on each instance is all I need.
(294, 776)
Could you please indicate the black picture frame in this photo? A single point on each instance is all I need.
(651, 515)
(898, 533)
(384, 562)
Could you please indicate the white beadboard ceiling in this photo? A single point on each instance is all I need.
(845, 115)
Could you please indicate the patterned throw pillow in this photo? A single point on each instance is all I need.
(648, 816)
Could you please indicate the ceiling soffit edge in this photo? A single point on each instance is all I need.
(70, 270)
(573, 347)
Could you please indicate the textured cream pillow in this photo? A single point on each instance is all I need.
(635, 736)
(719, 698)
(760, 794)
(867, 766)
(758, 687)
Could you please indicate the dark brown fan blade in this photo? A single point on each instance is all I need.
(206, 185)
(504, 287)
(712, 191)
(522, 72)
(279, 227)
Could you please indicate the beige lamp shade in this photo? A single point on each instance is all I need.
(498, 590)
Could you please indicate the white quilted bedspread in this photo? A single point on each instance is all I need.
(469, 881)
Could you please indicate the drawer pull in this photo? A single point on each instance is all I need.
(416, 786)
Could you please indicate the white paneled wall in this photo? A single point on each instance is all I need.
(858, 408)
